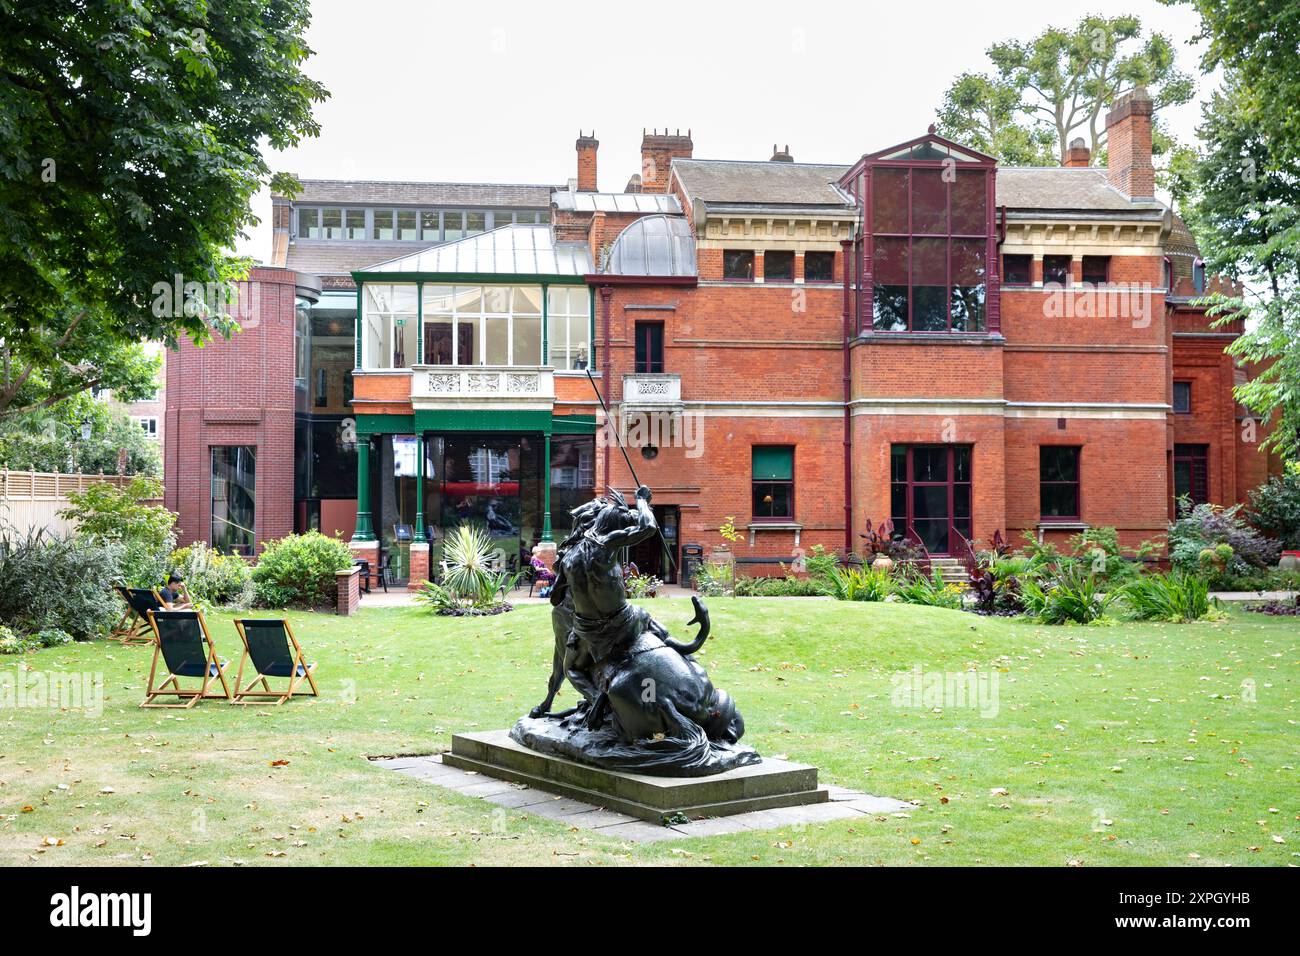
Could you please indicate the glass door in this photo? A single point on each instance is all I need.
(931, 493)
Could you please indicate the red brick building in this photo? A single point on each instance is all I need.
(921, 336)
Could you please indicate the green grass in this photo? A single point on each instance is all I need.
(1130, 745)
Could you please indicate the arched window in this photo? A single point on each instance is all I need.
(1169, 274)
(1198, 275)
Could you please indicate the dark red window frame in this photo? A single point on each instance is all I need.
(1044, 452)
(905, 482)
(1056, 269)
(1196, 458)
(649, 348)
(1028, 270)
(756, 485)
(1096, 270)
(738, 252)
(822, 255)
(781, 253)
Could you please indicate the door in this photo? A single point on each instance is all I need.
(650, 556)
(931, 493)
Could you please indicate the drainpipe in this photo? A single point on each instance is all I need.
(607, 293)
(846, 245)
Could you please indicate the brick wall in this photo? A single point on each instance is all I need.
(235, 392)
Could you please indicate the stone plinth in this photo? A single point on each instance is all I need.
(764, 786)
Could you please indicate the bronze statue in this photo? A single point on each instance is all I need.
(647, 705)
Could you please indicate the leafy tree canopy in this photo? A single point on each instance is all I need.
(1059, 85)
(130, 149)
(49, 439)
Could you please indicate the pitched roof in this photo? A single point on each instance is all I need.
(725, 182)
(1063, 188)
(804, 185)
(346, 192)
(510, 250)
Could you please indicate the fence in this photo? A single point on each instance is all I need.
(33, 499)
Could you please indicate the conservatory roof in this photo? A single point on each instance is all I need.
(514, 250)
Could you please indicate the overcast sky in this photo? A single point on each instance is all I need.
(496, 91)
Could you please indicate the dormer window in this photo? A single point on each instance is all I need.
(931, 236)
(1198, 276)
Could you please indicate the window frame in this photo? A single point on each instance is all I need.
(1174, 397)
(1029, 270)
(644, 362)
(1193, 453)
(746, 252)
(754, 484)
(1068, 274)
(778, 252)
(1105, 262)
(1077, 484)
(212, 498)
(830, 257)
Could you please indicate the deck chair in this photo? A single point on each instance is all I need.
(273, 651)
(134, 627)
(182, 644)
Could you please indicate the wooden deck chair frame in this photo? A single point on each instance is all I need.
(242, 692)
(134, 628)
(185, 698)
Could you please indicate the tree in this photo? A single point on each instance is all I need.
(986, 113)
(1063, 81)
(130, 148)
(49, 439)
(1242, 196)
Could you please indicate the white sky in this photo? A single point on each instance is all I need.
(496, 91)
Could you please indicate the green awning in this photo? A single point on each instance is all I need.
(773, 464)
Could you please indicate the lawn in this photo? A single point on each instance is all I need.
(1136, 744)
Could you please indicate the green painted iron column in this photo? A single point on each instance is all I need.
(419, 488)
(365, 531)
(546, 321)
(546, 487)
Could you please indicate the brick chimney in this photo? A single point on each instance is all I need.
(587, 146)
(781, 155)
(1078, 154)
(658, 150)
(1128, 145)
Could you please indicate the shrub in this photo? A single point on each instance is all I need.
(124, 516)
(1174, 597)
(1210, 526)
(1256, 579)
(60, 582)
(52, 637)
(1100, 548)
(298, 570)
(1275, 509)
(714, 579)
(860, 584)
(643, 585)
(819, 563)
(913, 587)
(470, 585)
(12, 643)
(1074, 596)
(788, 586)
(213, 578)
(998, 581)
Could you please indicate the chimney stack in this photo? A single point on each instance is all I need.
(781, 155)
(587, 146)
(1128, 145)
(1078, 154)
(658, 150)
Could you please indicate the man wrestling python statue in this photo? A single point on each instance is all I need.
(647, 705)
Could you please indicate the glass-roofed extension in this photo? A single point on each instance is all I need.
(457, 350)
(927, 240)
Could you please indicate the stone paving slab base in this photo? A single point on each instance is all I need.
(837, 803)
